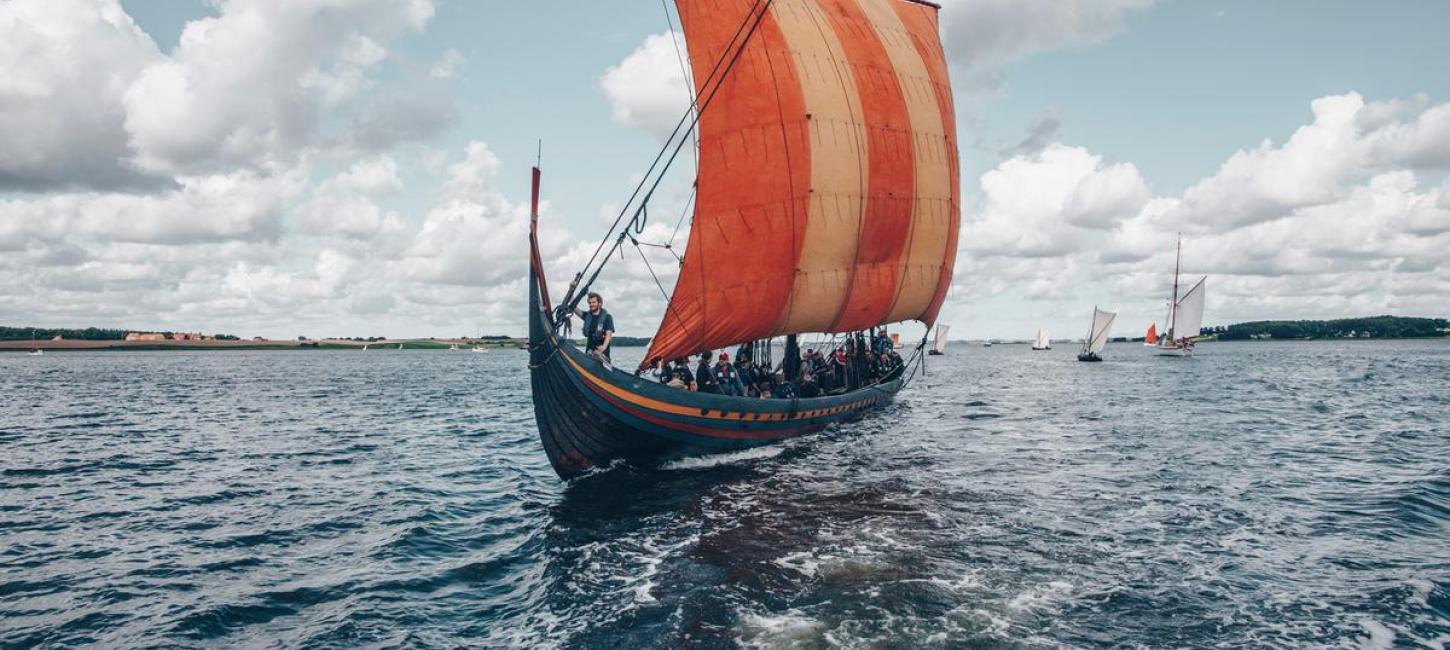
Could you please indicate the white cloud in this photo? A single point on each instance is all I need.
(448, 66)
(649, 89)
(981, 36)
(1045, 204)
(1332, 223)
(245, 87)
(1348, 140)
(64, 67)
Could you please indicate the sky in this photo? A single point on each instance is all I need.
(360, 167)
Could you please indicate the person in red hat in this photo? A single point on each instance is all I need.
(727, 377)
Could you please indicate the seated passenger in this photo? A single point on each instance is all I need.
(782, 388)
(680, 375)
(809, 387)
(727, 377)
(704, 379)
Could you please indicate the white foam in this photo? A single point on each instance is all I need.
(1379, 635)
(789, 629)
(726, 458)
(1041, 597)
(803, 562)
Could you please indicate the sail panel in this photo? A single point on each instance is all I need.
(1102, 329)
(827, 196)
(1188, 316)
(940, 344)
(920, 21)
(889, 186)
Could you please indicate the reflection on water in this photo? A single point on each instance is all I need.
(1284, 494)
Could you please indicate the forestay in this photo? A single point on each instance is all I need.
(828, 185)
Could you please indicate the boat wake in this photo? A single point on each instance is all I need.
(724, 458)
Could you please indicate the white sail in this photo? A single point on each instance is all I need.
(1188, 314)
(1043, 340)
(940, 344)
(1102, 328)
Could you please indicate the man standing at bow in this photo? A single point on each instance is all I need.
(598, 327)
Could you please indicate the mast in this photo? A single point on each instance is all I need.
(1173, 306)
(1087, 343)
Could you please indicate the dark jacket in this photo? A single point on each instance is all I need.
(727, 377)
(705, 379)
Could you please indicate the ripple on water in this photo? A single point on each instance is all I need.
(1281, 494)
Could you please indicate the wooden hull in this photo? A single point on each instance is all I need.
(590, 415)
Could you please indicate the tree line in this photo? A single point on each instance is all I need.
(1379, 327)
(87, 334)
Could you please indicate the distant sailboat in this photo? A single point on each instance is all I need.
(35, 350)
(1185, 315)
(365, 347)
(400, 346)
(1097, 338)
(453, 348)
(986, 344)
(479, 348)
(939, 346)
(1043, 340)
(1151, 338)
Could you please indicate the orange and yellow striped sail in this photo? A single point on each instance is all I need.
(828, 181)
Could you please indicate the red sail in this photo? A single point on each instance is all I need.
(1152, 336)
(828, 176)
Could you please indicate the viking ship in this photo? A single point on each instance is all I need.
(826, 202)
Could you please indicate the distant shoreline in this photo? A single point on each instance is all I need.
(268, 344)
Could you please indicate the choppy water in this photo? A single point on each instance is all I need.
(1271, 494)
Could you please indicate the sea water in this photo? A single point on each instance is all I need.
(1261, 494)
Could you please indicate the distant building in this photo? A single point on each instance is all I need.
(191, 336)
(57, 337)
(145, 336)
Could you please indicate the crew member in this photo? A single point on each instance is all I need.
(598, 327)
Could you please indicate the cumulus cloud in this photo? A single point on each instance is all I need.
(346, 204)
(1348, 140)
(64, 67)
(649, 89)
(1333, 222)
(1043, 204)
(88, 101)
(222, 98)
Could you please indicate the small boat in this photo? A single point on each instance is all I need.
(400, 346)
(1150, 339)
(1043, 341)
(986, 344)
(35, 352)
(1185, 315)
(453, 348)
(479, 348)
(826, 203)
(939, 345)
(1097, 338)
(365, 347)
